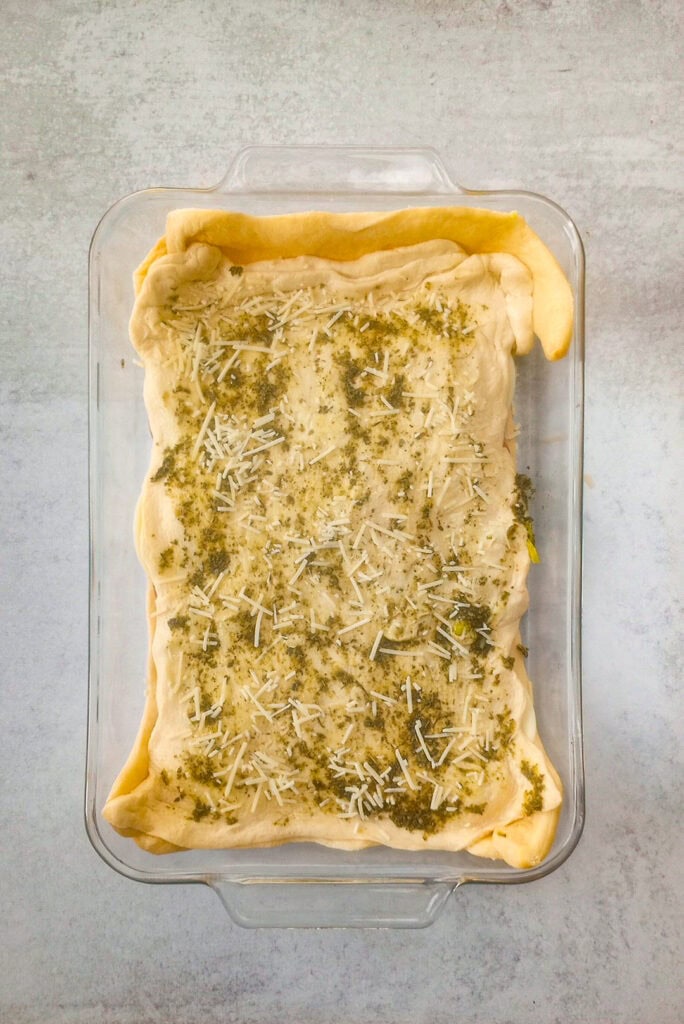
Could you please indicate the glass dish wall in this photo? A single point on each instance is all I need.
(305, 884)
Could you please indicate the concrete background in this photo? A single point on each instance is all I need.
(578, 100)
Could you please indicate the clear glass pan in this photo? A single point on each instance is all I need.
(305, 884)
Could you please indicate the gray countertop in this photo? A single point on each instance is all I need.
(577, 100)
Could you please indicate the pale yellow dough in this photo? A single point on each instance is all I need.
(347, 236)
(505, 286)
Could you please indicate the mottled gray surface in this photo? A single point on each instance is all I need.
(577, 100)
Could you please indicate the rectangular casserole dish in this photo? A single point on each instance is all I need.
(305, 884)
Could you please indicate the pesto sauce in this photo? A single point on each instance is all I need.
(166, 559)
(201, 769)
(166, 467)
(269, 389)
(251, 391)
(395, 395)
(200, 810)
(534, 798)
(217, 561)
(178, 622)
(524, 492)
(350, 372)
(470, 618)
(414, 813)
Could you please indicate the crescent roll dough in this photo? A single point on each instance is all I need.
(336, 538)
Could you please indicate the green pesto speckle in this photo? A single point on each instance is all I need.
(177, 622)
(218, 561)
(431, 318)
(196, 579)
(405, 483)
(505, 732)
(395, 395)
(200, 810)
(166, 467)
(412, 811)
(470, 618)
(200, 769)
(166, 559)
(270, 388)
(524, 491)
(533, 799)
(298, 654)
(425, 515)
(350, 371)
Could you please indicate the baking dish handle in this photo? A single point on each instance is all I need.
(337, 169)
(339, 905)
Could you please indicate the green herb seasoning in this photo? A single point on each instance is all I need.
(524, 492)
(534, 797)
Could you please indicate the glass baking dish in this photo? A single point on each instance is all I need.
(306, 884)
